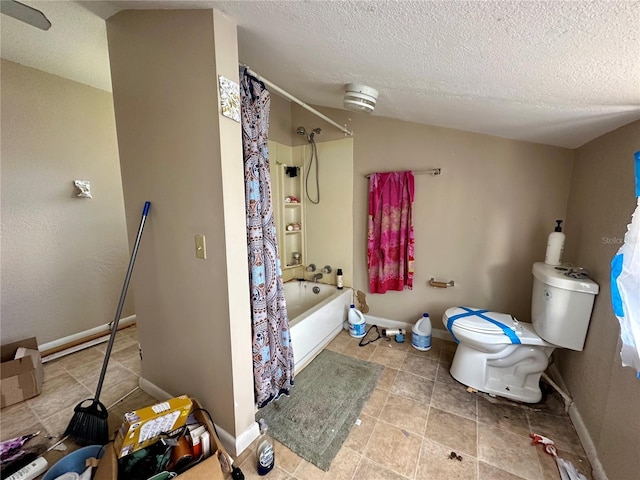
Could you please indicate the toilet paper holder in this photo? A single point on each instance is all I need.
(434, 284)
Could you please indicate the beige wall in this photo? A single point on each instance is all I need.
(63, 258)
(483, 223)
(179, 152)
(600, 207)
(329, 224)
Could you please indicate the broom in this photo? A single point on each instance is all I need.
(89, 425)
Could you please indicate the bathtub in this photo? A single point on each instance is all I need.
(314, 318)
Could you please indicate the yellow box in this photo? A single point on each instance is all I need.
(142, 427)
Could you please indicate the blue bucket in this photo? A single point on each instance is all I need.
(74, 462)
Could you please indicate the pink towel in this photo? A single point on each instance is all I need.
(390, 244)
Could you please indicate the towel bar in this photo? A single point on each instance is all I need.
(434, 284)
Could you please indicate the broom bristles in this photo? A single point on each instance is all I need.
(89, 425)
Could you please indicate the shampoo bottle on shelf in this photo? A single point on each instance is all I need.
(264, 452)
(339, 283)
(555, 246)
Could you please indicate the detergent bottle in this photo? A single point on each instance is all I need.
(357, 324)
(421, 333)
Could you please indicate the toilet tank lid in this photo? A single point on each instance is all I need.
(559, 276)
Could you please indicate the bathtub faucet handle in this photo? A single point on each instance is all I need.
(311, 267)
(326, 269)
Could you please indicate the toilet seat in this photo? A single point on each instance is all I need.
(493, 327)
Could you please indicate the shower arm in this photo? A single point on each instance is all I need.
(299, 102)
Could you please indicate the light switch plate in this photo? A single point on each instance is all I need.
(201, 247)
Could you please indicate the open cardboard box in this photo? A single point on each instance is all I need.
(209, 469)
(22, 377)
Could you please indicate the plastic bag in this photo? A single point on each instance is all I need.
(625, 286)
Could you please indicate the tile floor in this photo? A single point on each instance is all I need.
(415, 418)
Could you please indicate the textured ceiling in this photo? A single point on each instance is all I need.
(554, 72)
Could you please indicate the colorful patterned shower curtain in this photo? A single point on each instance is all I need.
(272, 351)
(390, 242)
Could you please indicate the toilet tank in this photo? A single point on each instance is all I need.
(561, 304)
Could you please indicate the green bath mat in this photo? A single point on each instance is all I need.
(327, 397)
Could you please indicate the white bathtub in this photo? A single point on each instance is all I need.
(314, 318)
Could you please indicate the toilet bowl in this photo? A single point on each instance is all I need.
(497, 354)
(500, 355)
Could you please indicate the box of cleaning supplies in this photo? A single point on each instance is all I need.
(209, 468)
(141, 428)
(21, 371)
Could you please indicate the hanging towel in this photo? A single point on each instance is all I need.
(390, 239)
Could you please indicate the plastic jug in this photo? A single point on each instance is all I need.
(357, 324)
(421, 333)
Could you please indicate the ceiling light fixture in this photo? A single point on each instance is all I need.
(360, 98)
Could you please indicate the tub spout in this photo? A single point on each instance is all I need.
(316, 277)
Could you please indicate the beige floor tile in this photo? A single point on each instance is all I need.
(436, 464)
(376, 402)
(432, 354)
(368, 470)
(455, 399)
(489, 472)
(82, 357)
(352, 349)
(115, 387)
(403, 346)
(550, 468)
(58, 393)
(285, 458)
(507, 451)
(342, 468)
(393, 448)
(360, 434)
(338, 344)
(405, 414)
(453, 431)
(387, 378)
(57, 423)
(18, 419)
(411, 386)
(444, 376)
(503, 414)
(558, 428)
(387, 355)
(420, 366)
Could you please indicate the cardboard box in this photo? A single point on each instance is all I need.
(22, 378)
(209, 469)
(143, 427)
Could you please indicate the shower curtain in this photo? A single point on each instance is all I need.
(390, 240)
(272, 351)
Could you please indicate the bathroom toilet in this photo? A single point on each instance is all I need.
(500, 355)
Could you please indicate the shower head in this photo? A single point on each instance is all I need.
(301, 131)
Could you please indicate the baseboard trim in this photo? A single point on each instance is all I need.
(81, 340)
(234, 445)
(598, 472)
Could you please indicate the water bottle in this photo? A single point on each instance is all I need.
(264, 452)
(357, 324)
(421, 333)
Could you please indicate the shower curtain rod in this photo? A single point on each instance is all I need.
(433, 171)
(299, 102)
